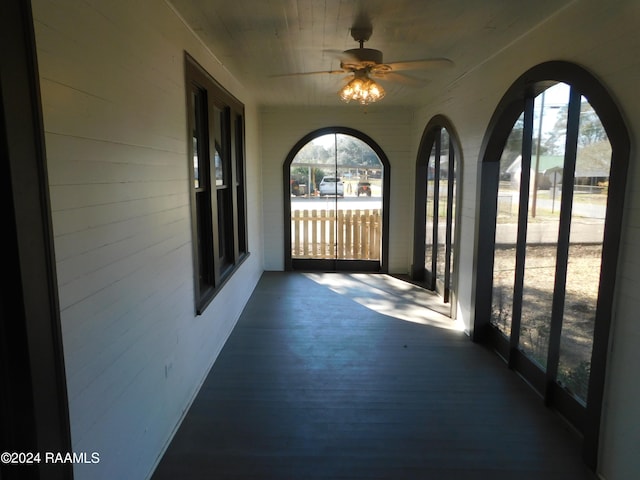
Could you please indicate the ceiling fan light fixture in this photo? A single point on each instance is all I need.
(361, 89)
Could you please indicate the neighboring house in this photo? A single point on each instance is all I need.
(592, 167)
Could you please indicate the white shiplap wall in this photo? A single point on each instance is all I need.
(282, 128)
(113, 97)
(602, 37)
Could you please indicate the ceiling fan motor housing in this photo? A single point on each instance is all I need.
(364, 56)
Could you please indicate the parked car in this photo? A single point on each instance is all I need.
(364, 188)
(331, 186)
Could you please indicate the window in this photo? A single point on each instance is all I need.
(552, 191)
(336, 181)
(437, 170)
(216, 130)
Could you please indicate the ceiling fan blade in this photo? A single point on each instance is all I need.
(401, 78)
(346, 59)
(427, 63)
(300, 74)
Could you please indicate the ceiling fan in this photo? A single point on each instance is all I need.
(362, 65)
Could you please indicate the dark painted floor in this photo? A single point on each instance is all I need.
(346, 376)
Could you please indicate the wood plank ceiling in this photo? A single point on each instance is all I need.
(259, 39)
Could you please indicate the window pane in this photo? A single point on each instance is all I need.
(336, 200)
(220, 156)
(204, 229)
(225, 228)
(593, 164)
(504, 259)
(443, 178)
(313, 217)
(239, 181)
(431, 182)
(196, 122)
(452, 220)
(360, 208)
(196, 163)
(547, 158)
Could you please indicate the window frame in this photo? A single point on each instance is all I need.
(431, 138)
(516, 100)
(291, 264)
(218, 211)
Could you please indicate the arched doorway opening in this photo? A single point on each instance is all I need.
(336, 183)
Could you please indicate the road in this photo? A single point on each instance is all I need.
(329, 203)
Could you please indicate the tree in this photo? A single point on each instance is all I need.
(354, 152)
(314, 153)
(590, 131)
(301, 174)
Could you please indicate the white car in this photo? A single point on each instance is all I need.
(331, 186)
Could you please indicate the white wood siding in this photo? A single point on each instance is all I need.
(113, 98)
(113, 94)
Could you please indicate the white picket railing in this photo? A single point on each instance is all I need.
(344, 234)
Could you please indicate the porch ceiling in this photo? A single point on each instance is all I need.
(257, 39)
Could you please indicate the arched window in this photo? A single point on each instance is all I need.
(335, 185)
(437, 172)
(554, 164)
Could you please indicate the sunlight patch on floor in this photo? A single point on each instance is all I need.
(388, 296)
